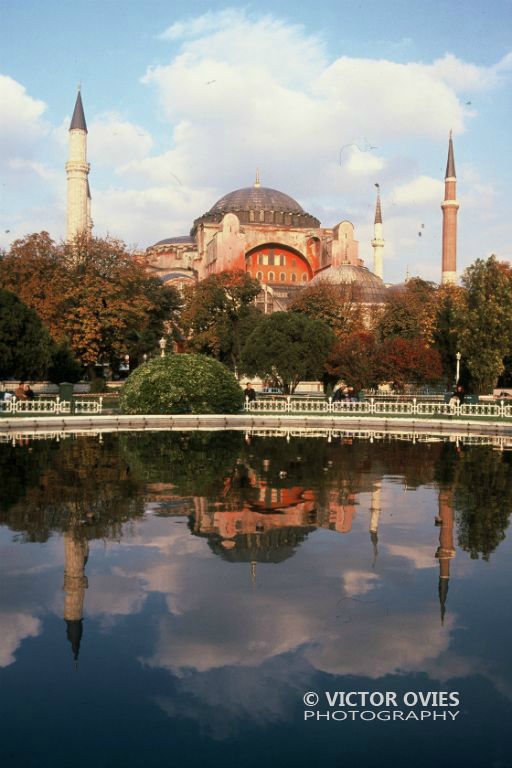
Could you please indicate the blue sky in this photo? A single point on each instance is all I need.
(185, 99)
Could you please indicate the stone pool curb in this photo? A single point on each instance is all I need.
(250, 422)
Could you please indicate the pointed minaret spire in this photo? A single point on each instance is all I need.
(378, 241)
(257, 182)
(77, 170)
(450, 164)
(450, 207)
(78, 119)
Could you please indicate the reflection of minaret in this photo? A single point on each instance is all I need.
(450, 207)
(378, 240)
(75, 583)
(253, 571)
(446, 550)
(374, 520)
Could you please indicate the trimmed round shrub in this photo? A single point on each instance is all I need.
(181, 384)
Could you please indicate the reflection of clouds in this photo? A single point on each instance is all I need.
(232, 634)
(15, 627)
(224, 700)
(114, 593)
(419, 556)
(359, 582)
(382, 644)
(172, 545)
(222, 624)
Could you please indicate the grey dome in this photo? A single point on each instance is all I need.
(259, 206)
(256, 199)
(366, 286)
(180, 240)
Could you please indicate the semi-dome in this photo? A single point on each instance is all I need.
(367, 287)
(259, 206)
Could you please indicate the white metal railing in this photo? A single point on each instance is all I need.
(378, 407)
(53, 405)
(50, 406)
(89, 406)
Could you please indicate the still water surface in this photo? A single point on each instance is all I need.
(168, 599)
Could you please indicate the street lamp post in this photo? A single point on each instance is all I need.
(163, 344)
(457, 374)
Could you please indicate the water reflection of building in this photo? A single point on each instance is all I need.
(250, 534)
(76, 552)
(445, 550)
(264, 515)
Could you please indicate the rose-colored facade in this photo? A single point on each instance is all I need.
(263, 232)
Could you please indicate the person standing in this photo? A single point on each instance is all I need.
(249, 392)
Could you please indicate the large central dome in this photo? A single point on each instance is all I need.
(259, 206)
(256, 199)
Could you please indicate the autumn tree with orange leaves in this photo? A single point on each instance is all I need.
(94, 294)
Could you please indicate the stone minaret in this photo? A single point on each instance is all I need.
(450, 207)
(77, 170)
(378, 241)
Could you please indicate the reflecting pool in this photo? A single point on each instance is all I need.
(203, 599)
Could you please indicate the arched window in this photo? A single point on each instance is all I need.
(282, 277)
(271, 276)
(304, 277)
(294, 277)
(259, 276)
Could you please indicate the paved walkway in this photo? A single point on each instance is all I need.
(114, 423)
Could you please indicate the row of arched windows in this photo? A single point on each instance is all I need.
(282, 277)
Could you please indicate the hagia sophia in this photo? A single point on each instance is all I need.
(263, 232)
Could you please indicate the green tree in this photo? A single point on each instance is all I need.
(486, 321)
(181, 384)
(219, 314)
(25, 344)
(483, 500)
(446, 333)
(63, 366)
(287, 347)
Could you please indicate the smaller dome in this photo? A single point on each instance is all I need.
(181, 240)
(368, 288)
